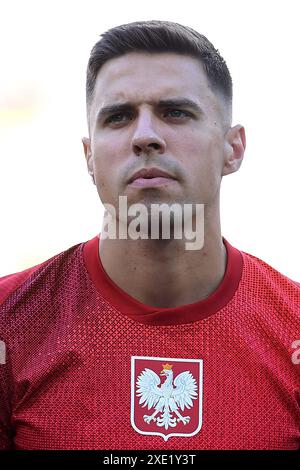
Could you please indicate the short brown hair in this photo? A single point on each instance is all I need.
(159, 36)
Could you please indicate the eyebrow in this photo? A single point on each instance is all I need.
(116, 108)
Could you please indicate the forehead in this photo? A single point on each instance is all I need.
(142, 77)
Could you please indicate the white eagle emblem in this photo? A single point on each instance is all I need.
(167, 398)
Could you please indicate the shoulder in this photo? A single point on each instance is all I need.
(13, 283)
(267, 280)
(267, 269)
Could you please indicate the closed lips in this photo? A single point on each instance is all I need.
(150, 173)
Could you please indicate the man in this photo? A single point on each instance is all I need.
(136, 340)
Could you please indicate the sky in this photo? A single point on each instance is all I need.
(48, 202)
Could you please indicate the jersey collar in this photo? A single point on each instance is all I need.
(146, 314)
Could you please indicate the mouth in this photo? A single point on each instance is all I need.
(150, 177)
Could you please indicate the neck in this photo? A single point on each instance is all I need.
(162, 273)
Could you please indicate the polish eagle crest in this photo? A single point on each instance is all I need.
(168, 399)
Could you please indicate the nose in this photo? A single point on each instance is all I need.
(146, 139)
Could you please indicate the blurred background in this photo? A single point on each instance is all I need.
(48, 202)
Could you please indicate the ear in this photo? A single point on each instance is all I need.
(235, 145)
(88, 156)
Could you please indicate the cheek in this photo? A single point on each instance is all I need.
(204, 162)
(205, 151)
(107, 150)
(108, 158)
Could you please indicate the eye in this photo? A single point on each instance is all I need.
(177, 113)
(117, 118)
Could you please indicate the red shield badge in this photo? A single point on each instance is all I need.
(166, 396)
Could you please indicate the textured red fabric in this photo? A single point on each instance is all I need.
(70, 334)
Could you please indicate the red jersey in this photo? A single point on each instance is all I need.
(83, 365)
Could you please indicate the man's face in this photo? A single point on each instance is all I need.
(186, 142)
